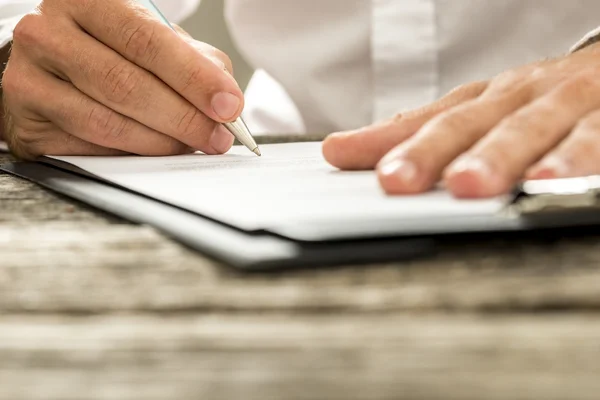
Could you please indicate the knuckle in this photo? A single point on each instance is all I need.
(224, 58)
(507, 78)
(192, 123)
(456, 120)
(193, 78)
(119, 82)
(107, 125)
(213, 54)
(510, 81)
(142, 42)
(457, 91)
(514, 122)
(462, 94)
(29, 31)
(471, 88)
(533, 125)
(541, 73)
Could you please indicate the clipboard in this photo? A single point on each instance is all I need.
(552, 205)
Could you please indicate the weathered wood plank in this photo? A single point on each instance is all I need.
(305, 357)
(24, 202)
(58, 267)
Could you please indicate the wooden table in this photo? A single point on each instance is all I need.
(92, 307)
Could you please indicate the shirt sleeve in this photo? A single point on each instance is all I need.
(588, 40)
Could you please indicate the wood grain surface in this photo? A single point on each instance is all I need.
(92, 307)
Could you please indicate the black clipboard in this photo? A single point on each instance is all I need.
(553, 205)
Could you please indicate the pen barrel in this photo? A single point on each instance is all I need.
(239, 129)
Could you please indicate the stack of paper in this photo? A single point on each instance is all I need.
(291, 190)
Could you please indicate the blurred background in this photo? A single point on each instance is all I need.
(208, 25)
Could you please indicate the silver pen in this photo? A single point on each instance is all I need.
(238, 128)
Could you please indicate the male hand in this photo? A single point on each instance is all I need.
(104, 77)
(539, 121)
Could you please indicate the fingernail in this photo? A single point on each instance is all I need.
(221, 140)
(340, 135)
(401, 169)
(550, 168)
(474, 165)
(225, 105)
(345, 134)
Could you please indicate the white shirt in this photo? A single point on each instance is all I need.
(328, 65)
(348, 63)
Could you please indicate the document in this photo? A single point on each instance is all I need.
(291, 190)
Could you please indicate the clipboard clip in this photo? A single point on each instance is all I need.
(557, 195)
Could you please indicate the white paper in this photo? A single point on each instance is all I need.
(290, 185)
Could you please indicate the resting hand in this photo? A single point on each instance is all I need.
(536, 122)
(104, 77)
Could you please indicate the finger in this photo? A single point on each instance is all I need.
(60, 143)
(215, 55)
(416, 165)
(218, 57)
(30, 138)
(501, 159)
(77, 114)
(120, 85)
(13, 133)
(363, 148)
(138, 36)
(576, 156)
(31, 144)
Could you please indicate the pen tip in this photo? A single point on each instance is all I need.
(257, 152)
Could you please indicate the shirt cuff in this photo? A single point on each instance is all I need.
(588, 40)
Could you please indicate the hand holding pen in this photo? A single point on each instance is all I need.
(108, 79)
